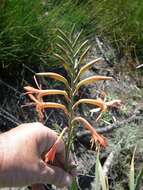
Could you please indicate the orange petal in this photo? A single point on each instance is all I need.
(96, 137)
(50, 156)
(100, 139)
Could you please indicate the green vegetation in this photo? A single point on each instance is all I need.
(27, 28)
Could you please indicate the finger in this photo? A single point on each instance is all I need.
(56, 176)
(47, 139)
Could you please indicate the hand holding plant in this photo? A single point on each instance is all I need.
(21, 157)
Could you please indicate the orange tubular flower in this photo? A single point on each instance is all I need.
(50, 156)
(95, 136)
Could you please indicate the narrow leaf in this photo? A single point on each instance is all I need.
(102, 177)
(80, 48)
(97, 177)
(139, 179)
(84, 54)
(64, 36)
(76, 39)
(55, 76)
(63, 61)
(91, 80)
(132, 173)
(72, 31)
(74, 185)
(66, 44)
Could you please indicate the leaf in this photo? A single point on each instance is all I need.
(84, 55)
(80, 48)
(64, 36)
(97, 177)
(72, 31)
(132, 173)
(91, 80)
(139, 179)
(87, 66)
(55, 76)
(102, 177)
(64, 51)
(74, 185)
(66, 44)
(63, 61)
(96, 102)
(76, 39)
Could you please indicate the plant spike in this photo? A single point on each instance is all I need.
(71, 60)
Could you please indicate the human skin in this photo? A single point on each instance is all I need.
(22, 150)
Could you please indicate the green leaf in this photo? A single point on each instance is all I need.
(66, 44)
(76, 39)
(64, 36)
(97, 179)
(84, 54)
(132, 173)
(63, 61)
(80, 48)
(138, 179)
(74, 185)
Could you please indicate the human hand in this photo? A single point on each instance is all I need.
(22, 150)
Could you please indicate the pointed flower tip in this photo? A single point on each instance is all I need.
(50, 156)
(101, 140)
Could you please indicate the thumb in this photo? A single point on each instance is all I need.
(55, 175)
